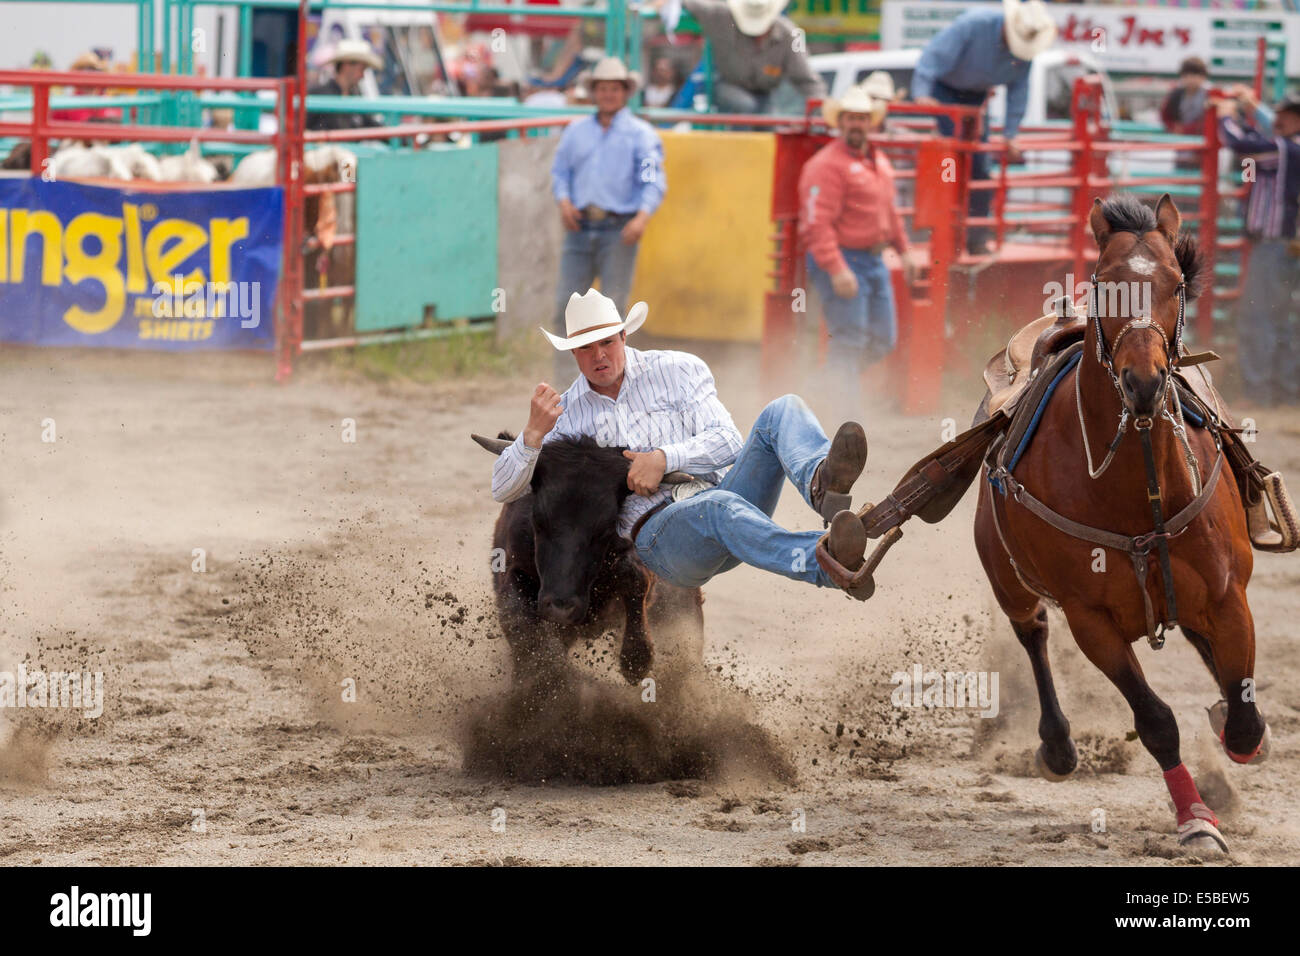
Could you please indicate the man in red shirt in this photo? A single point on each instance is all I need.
(847, 217)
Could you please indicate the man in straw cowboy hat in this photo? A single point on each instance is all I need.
(664, 408)
(754, 49)
(982, 49)
(351, 59)
(847, 218)
(607, 179)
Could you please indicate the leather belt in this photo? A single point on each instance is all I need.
(636, 528)
(597, 214)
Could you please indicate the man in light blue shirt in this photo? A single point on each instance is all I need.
(980, 50)
(608, 179)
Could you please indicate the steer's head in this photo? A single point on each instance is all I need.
(578, 491)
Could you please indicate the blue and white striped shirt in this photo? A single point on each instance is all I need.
(667, 401)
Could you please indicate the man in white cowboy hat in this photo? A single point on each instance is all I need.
(607, 179)
(847, 218)
(982, 49)
(754, 49)
(664, 409)
(351, 59)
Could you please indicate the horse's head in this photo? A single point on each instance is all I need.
(1145, 273)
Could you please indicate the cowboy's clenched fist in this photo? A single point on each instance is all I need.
(543, 413)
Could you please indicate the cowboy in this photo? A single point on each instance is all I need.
(664, 408)
(1269, 318)
(351, 59)
(754, 49)
(847, 218)
(982, 49)
(607, 179)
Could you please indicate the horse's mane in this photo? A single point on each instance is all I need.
(1125, 213)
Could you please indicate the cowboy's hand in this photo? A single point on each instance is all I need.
(926, 101)
(542, 414)
(635, 227)
(845, 284)
(909, 268)
(646, 471)
(1225, 107)
(569, 215)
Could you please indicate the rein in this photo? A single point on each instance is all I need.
(1138, 548)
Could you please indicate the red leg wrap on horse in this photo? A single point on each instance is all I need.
(1187, 799)
(1238, 757)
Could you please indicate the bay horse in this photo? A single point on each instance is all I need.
(1129, 527)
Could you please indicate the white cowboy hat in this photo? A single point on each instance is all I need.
(354, 51)
(1030, 29)
(873, 95)
(612, 68)
(591, 317)
(755, 17)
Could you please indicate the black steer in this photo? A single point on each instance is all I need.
(559, 563)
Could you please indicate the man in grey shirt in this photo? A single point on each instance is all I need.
(754, 49)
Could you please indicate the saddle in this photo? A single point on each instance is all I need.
(1008, 373)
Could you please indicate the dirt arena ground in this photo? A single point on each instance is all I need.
(225, 737)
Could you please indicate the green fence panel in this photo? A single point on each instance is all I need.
(426, 236)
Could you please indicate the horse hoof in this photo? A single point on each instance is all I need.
(1218, 715)
(1046, 772)
(1202, 836)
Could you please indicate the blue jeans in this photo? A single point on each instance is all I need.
(730, 98)
(981, 201)
(690, 541)
(1267, 327)
(863, 329)
(595, 251)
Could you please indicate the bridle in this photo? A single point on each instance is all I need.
(1138, 548)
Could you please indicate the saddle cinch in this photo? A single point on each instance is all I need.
(1020, 379)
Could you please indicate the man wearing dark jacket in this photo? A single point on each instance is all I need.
(1268, 325)
(1184, 108)
(351, 59)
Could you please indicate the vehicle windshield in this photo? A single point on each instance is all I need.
(1060, 89)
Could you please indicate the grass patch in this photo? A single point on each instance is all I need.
(462, 355)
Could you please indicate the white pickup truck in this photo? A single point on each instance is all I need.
(1051, 80)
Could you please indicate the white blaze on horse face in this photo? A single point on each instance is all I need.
(1141, 265)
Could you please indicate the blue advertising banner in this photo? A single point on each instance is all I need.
(132, 268)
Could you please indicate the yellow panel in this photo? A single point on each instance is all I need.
(703, 265)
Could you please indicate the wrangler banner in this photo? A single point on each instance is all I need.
(130, 268)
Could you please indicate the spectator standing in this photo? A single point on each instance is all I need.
(984, 48)
(607, 179)
(351, 59)
(847, 218)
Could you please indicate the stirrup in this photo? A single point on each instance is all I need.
(1272, 521)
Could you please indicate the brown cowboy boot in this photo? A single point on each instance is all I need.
(847, 543)
(834, 477)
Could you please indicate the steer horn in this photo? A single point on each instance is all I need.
(498, 445)
(494, 445)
